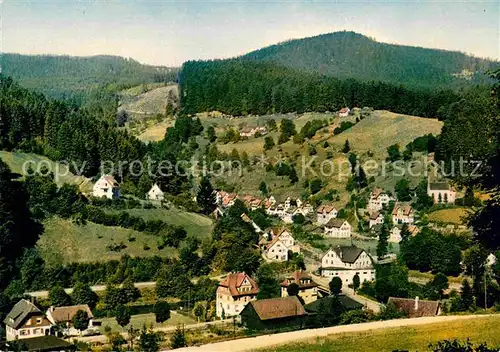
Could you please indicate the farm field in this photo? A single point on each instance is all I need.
(16, 161)
(154, 132)
(410, 338)
(64, 242)
(138, 321)
(451, 216)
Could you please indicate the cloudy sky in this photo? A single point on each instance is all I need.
(171, 32)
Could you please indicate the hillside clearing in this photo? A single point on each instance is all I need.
(450, 216)
(194, 224)
(147, 102)
(64, 242)
(408, 338)
(18, 162)
(382, 129)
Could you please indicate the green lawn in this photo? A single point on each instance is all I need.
(66, 242)
(138, 321)
(20, 162)
(410, 339)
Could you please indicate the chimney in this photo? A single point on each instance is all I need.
(416, 303)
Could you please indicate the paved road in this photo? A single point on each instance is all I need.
(267, 341)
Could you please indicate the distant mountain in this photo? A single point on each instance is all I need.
(69, 76)
(352, 55)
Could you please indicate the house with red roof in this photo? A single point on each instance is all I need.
(308, 289)
(344, 112)
(234, 293)
(403, 213)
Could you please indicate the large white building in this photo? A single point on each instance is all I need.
(441, 192)
(347, 261)
(233, 294)
(106, 187)
(376, 218)
(338, 228)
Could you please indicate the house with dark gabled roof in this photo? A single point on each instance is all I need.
(415, 308)
(338, 228)
(25, 321)
(308, 289)
(233, 294)
(273, 314)
(346, 262)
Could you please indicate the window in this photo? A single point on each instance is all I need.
(22, 332)
(39, 320)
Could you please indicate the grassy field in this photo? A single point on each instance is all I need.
(20, 162)
(451, 216)
(382, 129)
(411, 339)
(65, 242)
(154, 132)
(142, 100)
(138, 321)
(194, 224)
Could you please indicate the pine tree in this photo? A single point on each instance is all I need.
(405, 233)
(83, 294)
(293, 175)
(383, 241)
(263, 188)
(178, 339)
(466, 296)
(347, 147)
(206, 196)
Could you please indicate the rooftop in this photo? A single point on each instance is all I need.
(276, 308)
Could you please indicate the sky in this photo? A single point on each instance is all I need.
(172, 32)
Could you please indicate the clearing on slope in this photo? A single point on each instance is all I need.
(383, 128)
(19, 162)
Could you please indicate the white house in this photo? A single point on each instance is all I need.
(276, 251)
(325, 213)
(347, 261)
(403, 214)
(376, 218)
(233, 294)
(378, 198)
(107, 187)
(344, 112)
(64, 317)
(155, 193)
(26, 321)
(395, 234)
(441, 192)
(339, 228)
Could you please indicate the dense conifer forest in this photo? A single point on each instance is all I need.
(352, 55)
(240, 87)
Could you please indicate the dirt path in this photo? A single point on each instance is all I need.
(268, 341)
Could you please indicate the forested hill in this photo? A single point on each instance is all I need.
(352, 55)
(240, 87)
(74, 77)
